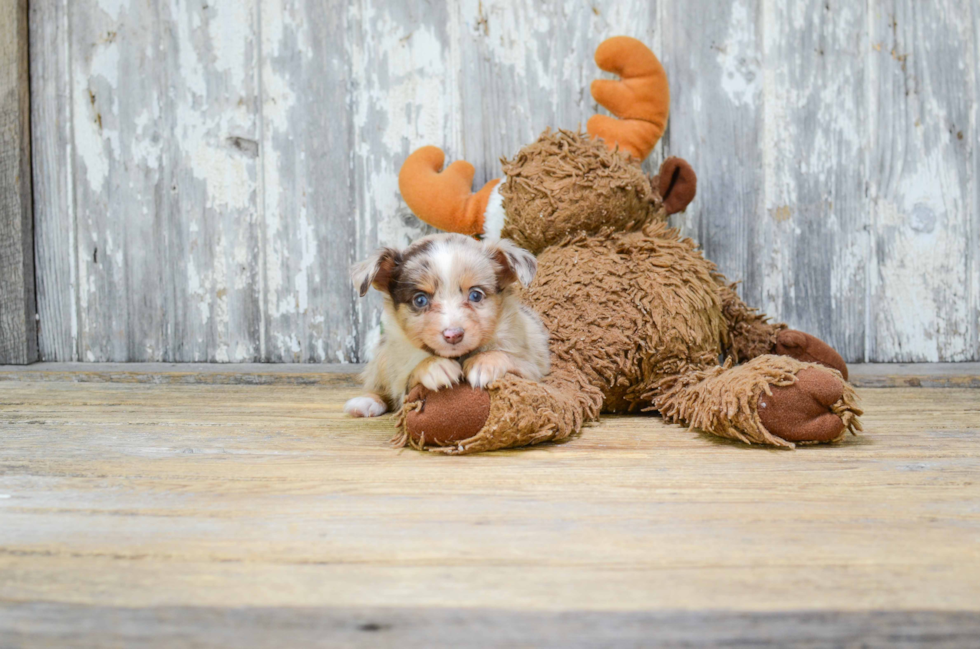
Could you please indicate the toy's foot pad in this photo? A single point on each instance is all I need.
(804, 411)
(446, 417)
(808, 349)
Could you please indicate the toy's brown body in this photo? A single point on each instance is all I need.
(639, 320)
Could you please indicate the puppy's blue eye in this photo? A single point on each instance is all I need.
(476, 295)
(421, 300)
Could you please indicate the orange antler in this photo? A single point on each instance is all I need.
(641, 100)
(443, 199)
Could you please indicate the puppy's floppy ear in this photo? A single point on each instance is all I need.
(515, 264)
(376, 270)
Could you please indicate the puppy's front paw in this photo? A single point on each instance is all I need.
(483, 369)
(368, 405)
(437, 373)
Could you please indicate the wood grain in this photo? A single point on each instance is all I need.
(60, 625)
(54, 203)
(18, 326)
(236, 159)
(810, 243)
(715, 62)
(921, 179)
(308, 206)
(528, 67)
(329, 374)
(404, 82)
(267, 497)
(862, 375)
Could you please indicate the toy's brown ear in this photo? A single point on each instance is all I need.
(677, 184)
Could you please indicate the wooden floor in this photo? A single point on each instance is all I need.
(205, 514)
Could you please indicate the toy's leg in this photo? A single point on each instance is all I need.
(750, 334)
(774, 400)
(511, 412)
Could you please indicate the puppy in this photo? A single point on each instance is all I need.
(451, 309)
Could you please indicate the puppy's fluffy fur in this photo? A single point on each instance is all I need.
(451, 310)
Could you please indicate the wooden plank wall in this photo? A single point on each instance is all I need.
(205, 172)
(18, 323)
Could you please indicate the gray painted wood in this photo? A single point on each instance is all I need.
(404, 93)
(79, 625)
(54, 232)
(514, 87)
(716, 71)
(862, 375)
(18, 326)
(809, 249)
(229, 161)
(165, 124)
(310, 227)
(923, 294)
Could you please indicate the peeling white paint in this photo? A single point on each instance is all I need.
(741, 77)
(113, 8)
(790, 109)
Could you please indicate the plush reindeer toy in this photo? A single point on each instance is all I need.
(638, 318)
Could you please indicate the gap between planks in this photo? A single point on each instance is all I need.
(863, 375)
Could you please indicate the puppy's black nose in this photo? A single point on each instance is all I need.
(453, 336)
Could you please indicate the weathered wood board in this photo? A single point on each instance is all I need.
(862, 375)
(218, 514)
(205, 173)
(18, 323)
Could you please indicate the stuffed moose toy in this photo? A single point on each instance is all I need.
(638, 318)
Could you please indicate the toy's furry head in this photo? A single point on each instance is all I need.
(566, 184)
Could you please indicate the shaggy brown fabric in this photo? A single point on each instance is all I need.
(442, 418)
(638, 318)
(805, 411)
(809, 349)
(724, 400)
(620, 305)
(565, 184)
(521, 413)
(749, 333)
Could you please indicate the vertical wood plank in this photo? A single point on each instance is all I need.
(973, 239)
(117, 131)
(214, 214)
(195, 200)
(808, 254)
(405, 80)
(310, 223)
(715, 67)
(165, 140)
(922, 181)
(528, 66)
(18, 327)
(54, 206)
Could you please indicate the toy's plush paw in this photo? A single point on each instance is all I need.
(483, 369)
(513, 412)
(436, 373)
(445, 417)
(774, 400)
(809, 349)
(810, 410)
